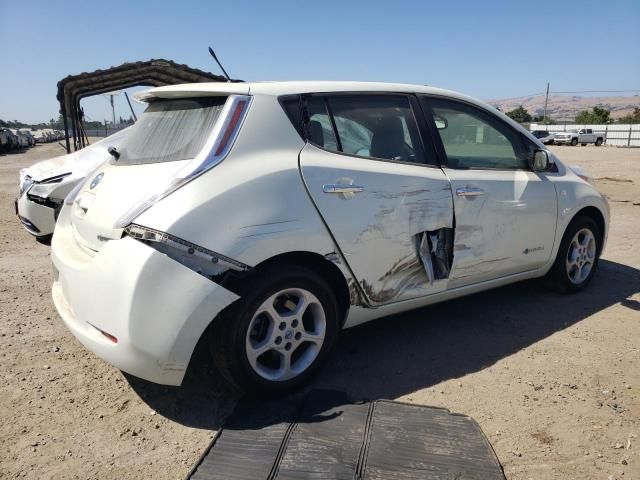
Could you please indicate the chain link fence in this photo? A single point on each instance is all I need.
(104, 131)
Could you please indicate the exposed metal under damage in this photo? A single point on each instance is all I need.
(203, 261)
(436, 252)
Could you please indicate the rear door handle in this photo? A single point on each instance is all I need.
(341, 188)
(469, 192)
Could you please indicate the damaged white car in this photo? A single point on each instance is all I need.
(263, 218)
(43, 186)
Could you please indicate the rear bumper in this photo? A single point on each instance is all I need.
(38, 220)
(156, 308)
(562, 140)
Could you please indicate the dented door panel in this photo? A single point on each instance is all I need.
(507, 227)
(380, 227)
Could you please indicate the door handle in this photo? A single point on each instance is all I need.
(469, 192)
(341, 188)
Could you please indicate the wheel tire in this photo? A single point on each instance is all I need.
(560, 278)
(598, 142)
(232, 343)
(574, 142)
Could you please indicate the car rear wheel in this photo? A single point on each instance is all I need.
(574, 142)
(577, 257)
(598, 142)
(276, 336)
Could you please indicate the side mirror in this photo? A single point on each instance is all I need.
(113, 151)
(540, 161)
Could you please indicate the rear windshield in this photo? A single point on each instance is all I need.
(170, 130)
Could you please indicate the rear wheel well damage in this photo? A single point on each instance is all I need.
(238, 282)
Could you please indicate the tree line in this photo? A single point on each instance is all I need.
(597, 115)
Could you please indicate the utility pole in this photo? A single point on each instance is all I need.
(113, 110)
(546, 100)
(130, 107)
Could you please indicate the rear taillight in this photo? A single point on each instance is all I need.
(231, 127)
(216, 149)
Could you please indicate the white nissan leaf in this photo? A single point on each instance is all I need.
(266, 217)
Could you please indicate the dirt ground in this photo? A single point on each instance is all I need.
(553, 380)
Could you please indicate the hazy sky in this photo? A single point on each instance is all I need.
(482, 48)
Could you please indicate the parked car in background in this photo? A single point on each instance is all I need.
(27, 133)
(5, 140)
(12, 142)
(582, 136)
(544, 136)
(43, 186)
(50, 134)
(273, 215)
(22, 139)
(39, 136)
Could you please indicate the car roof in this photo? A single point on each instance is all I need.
(289, 88)
(300, 87)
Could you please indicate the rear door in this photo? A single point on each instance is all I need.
(505, 213)
(388, 206)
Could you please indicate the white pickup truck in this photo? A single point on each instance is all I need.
(582, 136)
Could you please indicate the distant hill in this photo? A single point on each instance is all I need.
(565, 107)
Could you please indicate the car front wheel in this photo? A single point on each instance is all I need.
(276, 336)
(578, 256)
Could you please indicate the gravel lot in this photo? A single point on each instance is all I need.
(553, 380)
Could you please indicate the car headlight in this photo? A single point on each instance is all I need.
(580, 172)
(25, 184)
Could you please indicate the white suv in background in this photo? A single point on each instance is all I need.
(272, 215)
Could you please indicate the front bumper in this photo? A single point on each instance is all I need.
(38, 220)
(155, 307)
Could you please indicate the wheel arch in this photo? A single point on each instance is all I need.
(597, 216)
(315, 262)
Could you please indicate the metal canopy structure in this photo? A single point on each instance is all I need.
(156, 72)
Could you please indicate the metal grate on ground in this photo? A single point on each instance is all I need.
(322, 436)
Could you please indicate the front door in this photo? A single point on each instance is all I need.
(367, 173)
(505, 214)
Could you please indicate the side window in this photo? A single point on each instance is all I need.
(377, 126)
(319, 128)
(473, 139)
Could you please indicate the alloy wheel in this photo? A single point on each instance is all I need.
(286, 334)
(581, 256)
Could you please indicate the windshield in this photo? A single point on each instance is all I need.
(171, 130)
